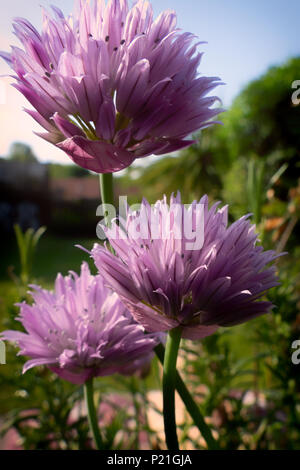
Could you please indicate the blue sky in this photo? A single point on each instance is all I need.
(244, 39)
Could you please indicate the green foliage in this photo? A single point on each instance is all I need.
(264, 122)
(20, 152)
(233, 191)
(255, 188)
(194, 171)
(41, 412)
(27, 243)
(244, 377)
(263, 119)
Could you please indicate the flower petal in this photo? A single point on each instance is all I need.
(96, 156)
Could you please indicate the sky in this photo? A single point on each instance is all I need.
(244, 38)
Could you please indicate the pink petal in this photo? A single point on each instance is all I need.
(97, 156)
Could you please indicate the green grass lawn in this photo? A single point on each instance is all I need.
(54, 254)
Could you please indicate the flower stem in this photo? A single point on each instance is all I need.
(106, 188)
(169, 380)
(107, 192)
(191, 406)
(92, 415)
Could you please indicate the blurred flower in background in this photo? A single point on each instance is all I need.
(109, 84)
(81, 331)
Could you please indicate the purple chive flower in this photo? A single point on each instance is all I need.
(165, 283)
(81, 331)
(109, 84)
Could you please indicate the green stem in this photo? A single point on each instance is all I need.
(92, 415)
(169, 380)
(106, 186)
(107, 191)
(190, 405)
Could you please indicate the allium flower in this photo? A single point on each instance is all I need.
(109, 84)
(81, 330)
(165, 283)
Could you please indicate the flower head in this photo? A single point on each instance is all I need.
(81, 330)
(167, 278)
(110, 84)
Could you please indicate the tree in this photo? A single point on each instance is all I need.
(21, 153)
(264, 123)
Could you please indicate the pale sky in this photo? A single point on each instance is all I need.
(244, 39)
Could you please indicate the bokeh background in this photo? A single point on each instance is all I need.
(243, 378)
